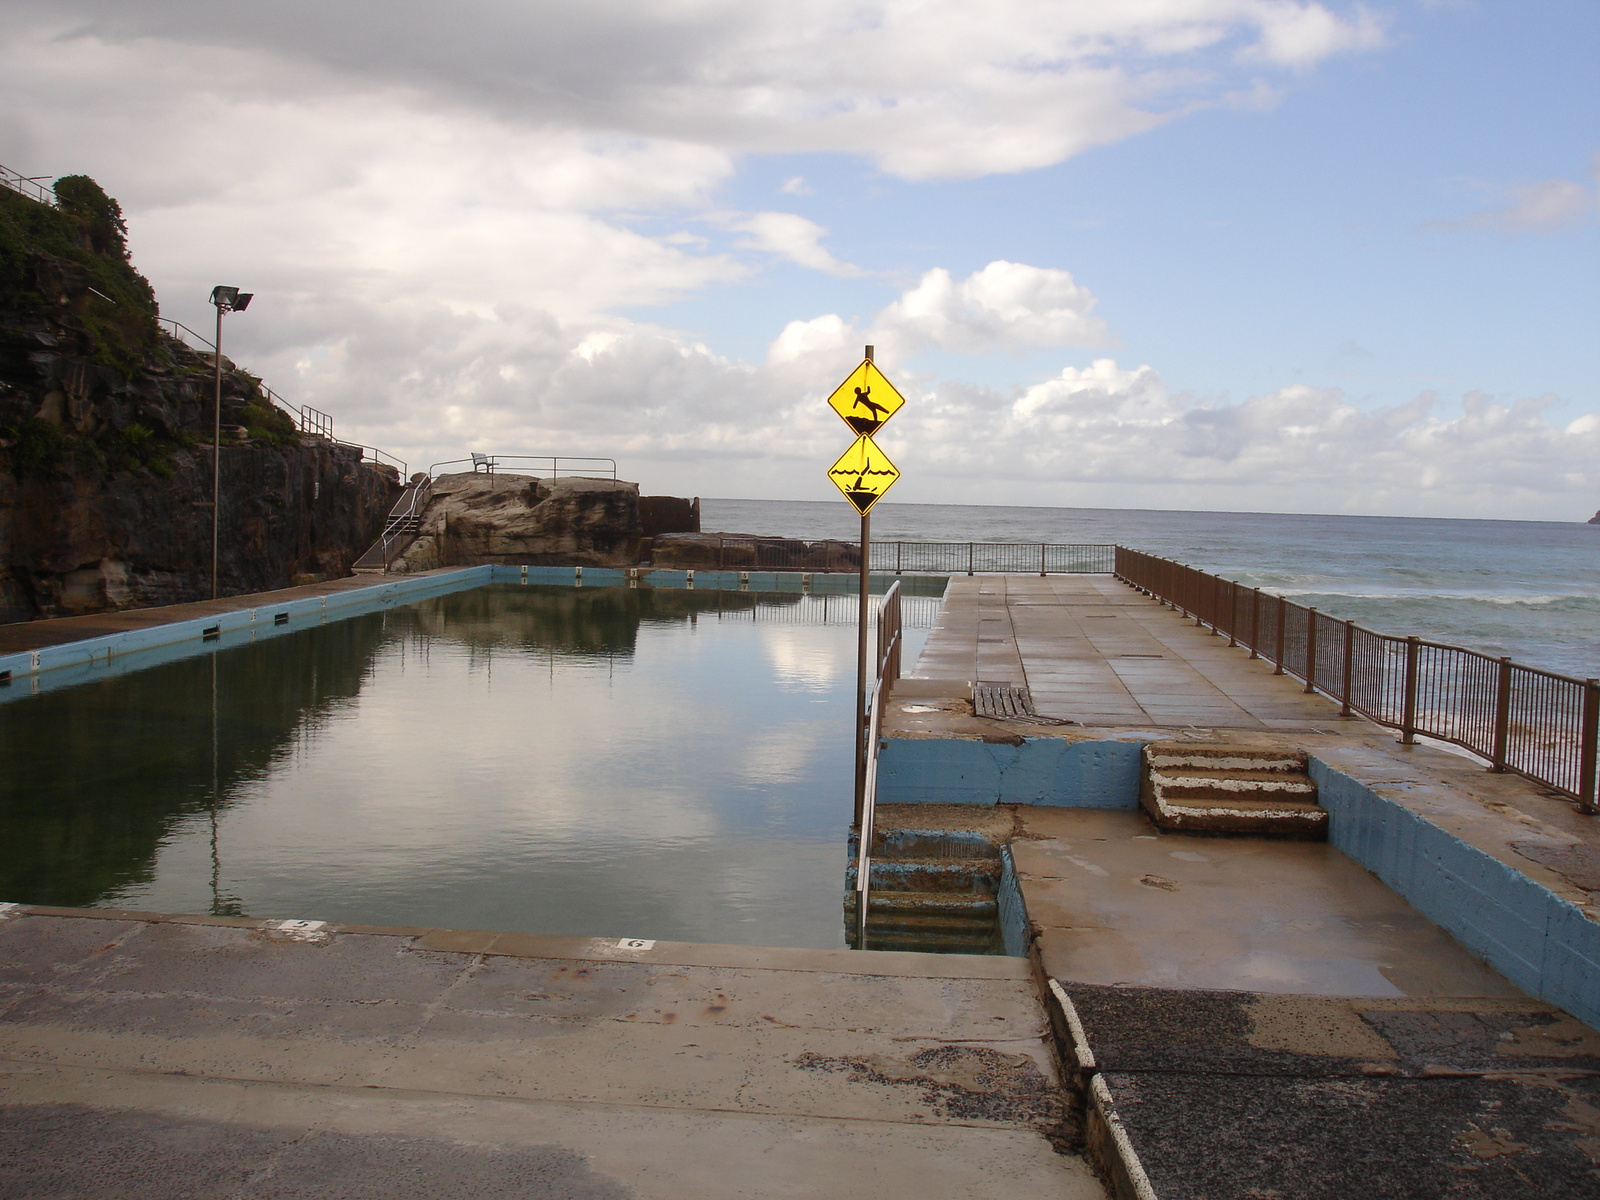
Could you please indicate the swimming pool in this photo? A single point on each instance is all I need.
(613, 761)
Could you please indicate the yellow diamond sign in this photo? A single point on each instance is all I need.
(866, 400)
(863, 473)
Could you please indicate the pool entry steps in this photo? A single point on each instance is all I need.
(1213, 787)
(936, 882)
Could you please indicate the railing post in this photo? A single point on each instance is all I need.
(1502, 716)
(1255, 622)
(1282, 622)
(1233, 614)
(1590, 746)
(969, 558)
(1349, 667)
(899, 553)
(1311, 650)
(1408, 706)
(1041, 560)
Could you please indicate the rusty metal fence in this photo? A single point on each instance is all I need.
(901, 558)
(1538, 724)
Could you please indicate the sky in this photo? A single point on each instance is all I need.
(1236, 255)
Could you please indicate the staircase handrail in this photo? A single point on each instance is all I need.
(887, 672)
(307, 420)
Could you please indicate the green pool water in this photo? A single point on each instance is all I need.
(593, 761)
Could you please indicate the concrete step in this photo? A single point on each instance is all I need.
(1210, 782)
(1222, 756)
(932, 843)
(930, 908)
(921, 941)
(959, 876)
(1219, 788)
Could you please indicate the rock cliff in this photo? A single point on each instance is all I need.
(105, 439)
(514, 519)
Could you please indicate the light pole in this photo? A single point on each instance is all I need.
(227, 299)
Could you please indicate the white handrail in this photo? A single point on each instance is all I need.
(887, 672)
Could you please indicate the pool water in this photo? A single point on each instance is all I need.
(590, 761)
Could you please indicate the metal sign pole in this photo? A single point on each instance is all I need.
(863, 674)
(862, 684)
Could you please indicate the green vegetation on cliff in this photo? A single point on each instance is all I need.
(85, 237)
(106, 433)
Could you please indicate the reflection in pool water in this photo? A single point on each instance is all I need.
(607, 762)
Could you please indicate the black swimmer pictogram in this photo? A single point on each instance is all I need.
(853, 482)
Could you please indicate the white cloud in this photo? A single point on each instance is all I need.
(796, 185)
(927, 88)
(1299, 35)
(786, 235)
(1545, 206)
(1005, 306)
(683, 419)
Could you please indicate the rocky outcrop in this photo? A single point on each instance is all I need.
(105, 439)
(669, 514)
(1594, 520)
(744, 551)
(82, 542)
(517, 520)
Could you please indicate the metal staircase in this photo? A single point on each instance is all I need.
(399, 530)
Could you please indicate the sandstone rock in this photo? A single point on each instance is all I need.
(744, 552)
(472, 519)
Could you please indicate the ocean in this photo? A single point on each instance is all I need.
(1528, 589)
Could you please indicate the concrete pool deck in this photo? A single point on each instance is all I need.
(1378, 1015)
(148, 1056)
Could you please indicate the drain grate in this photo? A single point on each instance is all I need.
(1002, 701)
(1008, 702)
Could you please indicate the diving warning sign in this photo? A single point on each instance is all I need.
(866, 399)
(863, 473)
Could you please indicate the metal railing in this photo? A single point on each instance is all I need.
(558, 464)
(887, 671)
(1009, 558)
(309, 421)
(29, 186)
(1531, 722)
(316, 422)
(916, 558)
(402, 524)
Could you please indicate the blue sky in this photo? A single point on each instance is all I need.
(1225, 254)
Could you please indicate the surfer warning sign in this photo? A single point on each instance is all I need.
(866, 400)
(863, 473)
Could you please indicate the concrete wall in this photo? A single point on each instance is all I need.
(1050, 771)
(1540, 942)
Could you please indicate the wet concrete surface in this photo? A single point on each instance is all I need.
(231, 1058)
(1114, 900)
(1239, 1094)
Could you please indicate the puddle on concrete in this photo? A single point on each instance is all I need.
(604, 762)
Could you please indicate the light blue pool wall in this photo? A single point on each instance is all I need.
(1048, 771)
(73, 663)
(1540, 942)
